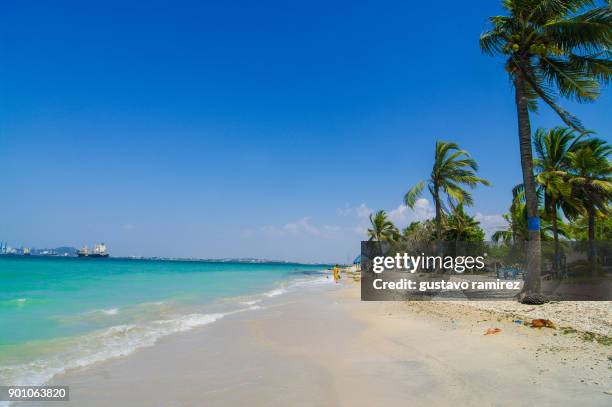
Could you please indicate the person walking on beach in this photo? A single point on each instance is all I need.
(336, 271)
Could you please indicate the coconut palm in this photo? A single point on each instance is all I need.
(592, 182)
(551, 47)
(382, 228)
(552, 174)
(452, 168)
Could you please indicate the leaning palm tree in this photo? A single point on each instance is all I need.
(382, 228)
(452, 168)
(552, 166)
(551, 47)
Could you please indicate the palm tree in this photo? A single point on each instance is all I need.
(592, 181)
(382, 228)
(452, 168)
(551, 47)
(552, 174)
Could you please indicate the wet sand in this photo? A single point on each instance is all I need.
(324, 347)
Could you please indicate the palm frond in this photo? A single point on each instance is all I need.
(567, 117)
(586, 32)
(598, 65)
(572, 83)
(414, 193)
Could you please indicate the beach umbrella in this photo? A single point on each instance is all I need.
(357, 260)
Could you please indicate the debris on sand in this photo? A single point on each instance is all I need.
(542, 323)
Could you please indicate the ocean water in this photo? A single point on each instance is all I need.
(63, 313)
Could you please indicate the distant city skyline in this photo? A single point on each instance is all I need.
(250, 129)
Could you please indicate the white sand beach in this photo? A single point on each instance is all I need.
(322, 346)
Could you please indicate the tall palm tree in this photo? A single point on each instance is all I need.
(552, 174)
(592, 181)
(551, 47)
(452, 168)
(382, 228)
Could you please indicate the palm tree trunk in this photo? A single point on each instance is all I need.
(591, 257)
(438, 205)
(591, 211)
(555, 230)
(437, 244)
(532, 283)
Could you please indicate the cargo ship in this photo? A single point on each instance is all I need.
(99, 250)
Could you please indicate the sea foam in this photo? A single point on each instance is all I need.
(116, 341)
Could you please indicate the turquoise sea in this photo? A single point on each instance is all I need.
(63, 313)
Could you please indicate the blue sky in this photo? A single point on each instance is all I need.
(252, 128)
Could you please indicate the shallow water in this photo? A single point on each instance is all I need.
(62, 313)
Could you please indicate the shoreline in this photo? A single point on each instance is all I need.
(133, 327)
(323, 346)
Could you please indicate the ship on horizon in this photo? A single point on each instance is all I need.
(99, 250)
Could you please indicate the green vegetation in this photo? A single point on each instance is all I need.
(574, 183)
(517, 223)
(551, 49)
(462, 227)
(573, 188)
(459, 226)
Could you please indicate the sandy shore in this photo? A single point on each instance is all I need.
(323, 347)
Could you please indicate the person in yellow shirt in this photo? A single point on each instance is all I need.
(336, 271)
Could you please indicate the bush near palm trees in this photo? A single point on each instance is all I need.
(462, 227)
(551, 48)
(452, 169)
(420, 231)
(459, 226)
